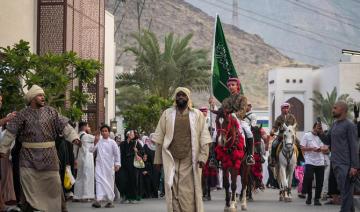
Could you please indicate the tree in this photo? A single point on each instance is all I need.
(159, 72)
(144, 116)
(323, 105)
(53, 72)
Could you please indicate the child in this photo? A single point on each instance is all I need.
(107, 162)
(299, 175)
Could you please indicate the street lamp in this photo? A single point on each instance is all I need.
(113, 126)
(350, 52)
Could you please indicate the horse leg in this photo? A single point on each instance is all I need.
(234, 174)
(244, 182)
(282, 182)
(226, 185)
(290, 178)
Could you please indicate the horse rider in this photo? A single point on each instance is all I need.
(288, 119)
(237, 103)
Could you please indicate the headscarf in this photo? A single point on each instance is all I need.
(33, 92)
(285, 104)
(233, 79)
(203, 109)
(186, 91)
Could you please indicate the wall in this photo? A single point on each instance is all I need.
(285, 83)
(109, 68)
(18, 21)
(349, 75)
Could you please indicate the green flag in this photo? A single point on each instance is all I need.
(222, 66)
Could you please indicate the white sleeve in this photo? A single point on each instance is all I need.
(116, 152)
(303, 141)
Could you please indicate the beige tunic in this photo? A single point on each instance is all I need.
(182, 177)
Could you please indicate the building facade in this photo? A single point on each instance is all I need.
(57, 26)
(296, 86)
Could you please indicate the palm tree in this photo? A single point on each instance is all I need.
(323, 105)
(159, 72)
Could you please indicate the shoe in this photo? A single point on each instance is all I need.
(162, 194)
(308, 202)
(96, 205)
(317, 202)
(109, 205)
(250, 160)
(302, 196)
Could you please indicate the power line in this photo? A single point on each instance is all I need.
(272, 25)
(329, 12)
(297, 27)
(279, 27)
(322, 14)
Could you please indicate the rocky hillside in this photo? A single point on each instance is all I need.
(253, 58)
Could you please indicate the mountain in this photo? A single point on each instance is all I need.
(310, 31)
(252, 57)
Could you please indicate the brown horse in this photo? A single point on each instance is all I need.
(230, 152)
(255, 175)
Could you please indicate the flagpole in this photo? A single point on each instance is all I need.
(212, 70)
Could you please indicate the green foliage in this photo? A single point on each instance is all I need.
(144, 116)
(160, 72)
(52, 72)
(129, 96)
(323, 105)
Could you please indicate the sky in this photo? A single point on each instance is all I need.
(310, 31)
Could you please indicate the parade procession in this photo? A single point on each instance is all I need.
(179, 105)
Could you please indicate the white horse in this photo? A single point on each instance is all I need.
(286, 163)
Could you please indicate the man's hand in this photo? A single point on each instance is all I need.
(352, 172)
(77, 142)
(158, 167)
(201, 164)
(212, 103)
(117, 167)
(144, 172)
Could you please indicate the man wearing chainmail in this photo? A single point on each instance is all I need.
(37, 127)
(237, 103)
(183, 142)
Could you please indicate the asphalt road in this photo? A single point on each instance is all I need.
(266, 201)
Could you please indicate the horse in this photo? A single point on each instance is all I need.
(255, 177)
(286, 162)
(230, 152)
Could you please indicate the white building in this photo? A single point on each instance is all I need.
(109, 68)
(296, 86)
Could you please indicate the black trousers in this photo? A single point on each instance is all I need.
(310, 170)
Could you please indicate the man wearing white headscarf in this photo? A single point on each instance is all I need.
(37, 127)
(182, 139)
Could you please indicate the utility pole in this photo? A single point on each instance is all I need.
(235, 15)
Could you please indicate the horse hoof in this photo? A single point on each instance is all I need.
(233, 205)
(251, 200)
(243, 208)
(281, 199)
(288, 199)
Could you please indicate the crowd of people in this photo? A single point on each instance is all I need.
(39, 149)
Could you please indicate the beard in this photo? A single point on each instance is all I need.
(336, 115)
(181, 103)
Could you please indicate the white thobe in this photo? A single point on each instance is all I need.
(84, 186)
(108, 156)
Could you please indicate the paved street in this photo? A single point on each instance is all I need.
(264, 202)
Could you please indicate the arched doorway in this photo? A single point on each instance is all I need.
(297, 109)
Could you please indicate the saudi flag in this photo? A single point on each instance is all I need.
(222, 66)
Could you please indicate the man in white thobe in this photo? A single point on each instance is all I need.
(84, 186)
(183, 146)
